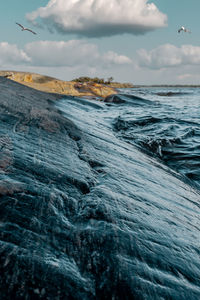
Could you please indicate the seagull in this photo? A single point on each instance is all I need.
(24, 28)
(183, 29)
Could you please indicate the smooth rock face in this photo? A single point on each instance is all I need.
(84, 215)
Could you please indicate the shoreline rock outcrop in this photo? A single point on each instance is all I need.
(84, 214)
(52, 85)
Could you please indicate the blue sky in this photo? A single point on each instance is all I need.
(132, 40)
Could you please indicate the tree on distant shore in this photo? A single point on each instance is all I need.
(109, 80)
(83, 79)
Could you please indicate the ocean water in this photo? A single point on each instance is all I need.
(167, 127)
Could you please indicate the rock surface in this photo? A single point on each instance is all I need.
(53, 85)
(84, 215)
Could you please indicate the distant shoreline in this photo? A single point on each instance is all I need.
(80, 88)
(167, 85)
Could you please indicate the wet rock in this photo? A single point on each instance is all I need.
(170, 94)
(114, 99)
(39, 168)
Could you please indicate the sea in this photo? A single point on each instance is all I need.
(164, 122)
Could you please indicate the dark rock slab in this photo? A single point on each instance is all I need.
(84, 215)
(39, 169)
(114, 99)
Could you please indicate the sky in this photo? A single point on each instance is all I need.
(134, 41)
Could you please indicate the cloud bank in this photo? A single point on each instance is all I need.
(59, 54)
(166, 56)
(10, 54)
(98, 18)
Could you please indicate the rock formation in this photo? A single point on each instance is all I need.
(83, 214)
(53, 85)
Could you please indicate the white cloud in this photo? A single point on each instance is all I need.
(71, 53)
(113, 58)
(59, 54)
(10, 54)
(93, 18)
(168, 55)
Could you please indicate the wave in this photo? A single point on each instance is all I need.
(174, 141)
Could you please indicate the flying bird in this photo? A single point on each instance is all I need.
(24, 28)
(184, 29)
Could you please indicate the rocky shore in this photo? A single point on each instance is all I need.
(84, 214)
(53, 85)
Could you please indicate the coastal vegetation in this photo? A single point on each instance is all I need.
(83, 79)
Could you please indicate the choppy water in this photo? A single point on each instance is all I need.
(167, 127)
